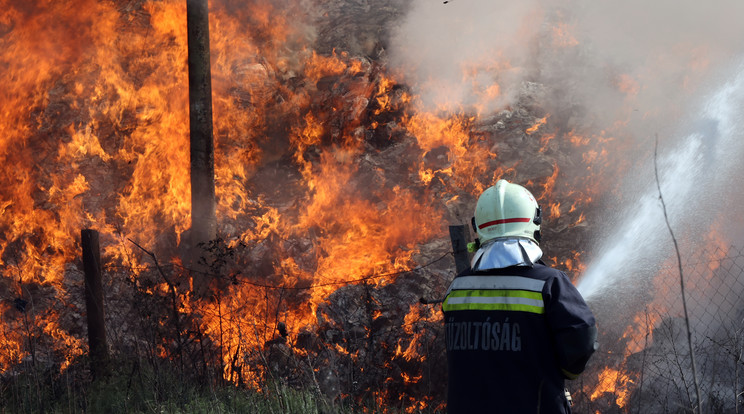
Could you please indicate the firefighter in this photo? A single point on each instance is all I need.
(515, 328)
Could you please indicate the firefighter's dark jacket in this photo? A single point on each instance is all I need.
(513, 335)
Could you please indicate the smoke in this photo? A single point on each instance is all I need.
(465, 53)
(605, 56)
(636, 67)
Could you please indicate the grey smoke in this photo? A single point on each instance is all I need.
(450, 52)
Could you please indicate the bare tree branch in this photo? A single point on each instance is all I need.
(681, 282)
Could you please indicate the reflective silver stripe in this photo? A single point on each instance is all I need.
(495, 299)
(496, 282)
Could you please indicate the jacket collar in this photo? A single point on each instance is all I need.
(505, 252)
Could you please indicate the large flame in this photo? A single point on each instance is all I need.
(94, 121)
(94, 134)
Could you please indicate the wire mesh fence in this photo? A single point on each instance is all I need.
(376, 342)
(645, 366)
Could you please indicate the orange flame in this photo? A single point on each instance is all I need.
(563, 37)
(613, 382)
(93, 119)
(540, 122)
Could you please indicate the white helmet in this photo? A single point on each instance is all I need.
(507, 210)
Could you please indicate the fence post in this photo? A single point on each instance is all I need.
(459, 247)
(94, 303)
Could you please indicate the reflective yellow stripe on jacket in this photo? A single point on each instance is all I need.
(509, 293)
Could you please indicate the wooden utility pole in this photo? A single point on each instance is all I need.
(203, 217)
(94, 303)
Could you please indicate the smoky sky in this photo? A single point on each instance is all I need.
(606, 54)
(637, 66)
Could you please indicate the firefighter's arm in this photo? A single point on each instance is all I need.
(574, 347)
(573, 327)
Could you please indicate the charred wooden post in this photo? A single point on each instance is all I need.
(203, 219)
(94, 303)
(459, 247)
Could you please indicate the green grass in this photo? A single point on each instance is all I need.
(133, 388)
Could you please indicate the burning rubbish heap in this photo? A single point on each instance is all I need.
(335, 185)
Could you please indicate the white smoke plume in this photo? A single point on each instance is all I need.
(462, 53)
(602, 53)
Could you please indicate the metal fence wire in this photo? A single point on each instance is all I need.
(644, 364)
(380, 342)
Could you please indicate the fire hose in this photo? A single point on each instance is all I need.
(425, 301)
